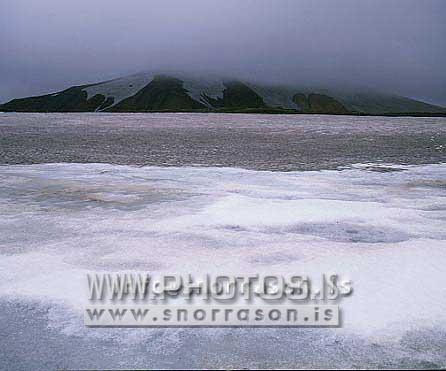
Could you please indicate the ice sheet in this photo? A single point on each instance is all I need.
(384, 230)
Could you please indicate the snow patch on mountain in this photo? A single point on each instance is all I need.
(197, 88)
(120, 88)
(275, 97)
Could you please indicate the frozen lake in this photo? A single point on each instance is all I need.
(372, 208)
(258, 142)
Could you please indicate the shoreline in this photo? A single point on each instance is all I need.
(255, 112)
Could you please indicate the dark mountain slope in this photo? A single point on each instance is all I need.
(319, 103)
(163, 93)
(236, 95)
(71, 100)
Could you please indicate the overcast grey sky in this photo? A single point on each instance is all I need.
(398, 46)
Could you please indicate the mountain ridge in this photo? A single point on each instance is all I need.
(153, 92)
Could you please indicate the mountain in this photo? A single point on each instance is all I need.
(148, 92)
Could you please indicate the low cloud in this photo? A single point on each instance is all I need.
(396, 46)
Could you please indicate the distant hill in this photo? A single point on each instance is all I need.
(149, 92)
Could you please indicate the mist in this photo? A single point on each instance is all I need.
(395, 46)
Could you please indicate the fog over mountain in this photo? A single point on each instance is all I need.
(394, 46)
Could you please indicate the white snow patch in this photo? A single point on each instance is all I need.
(275, 97)
(120, 88)
(196, 88)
